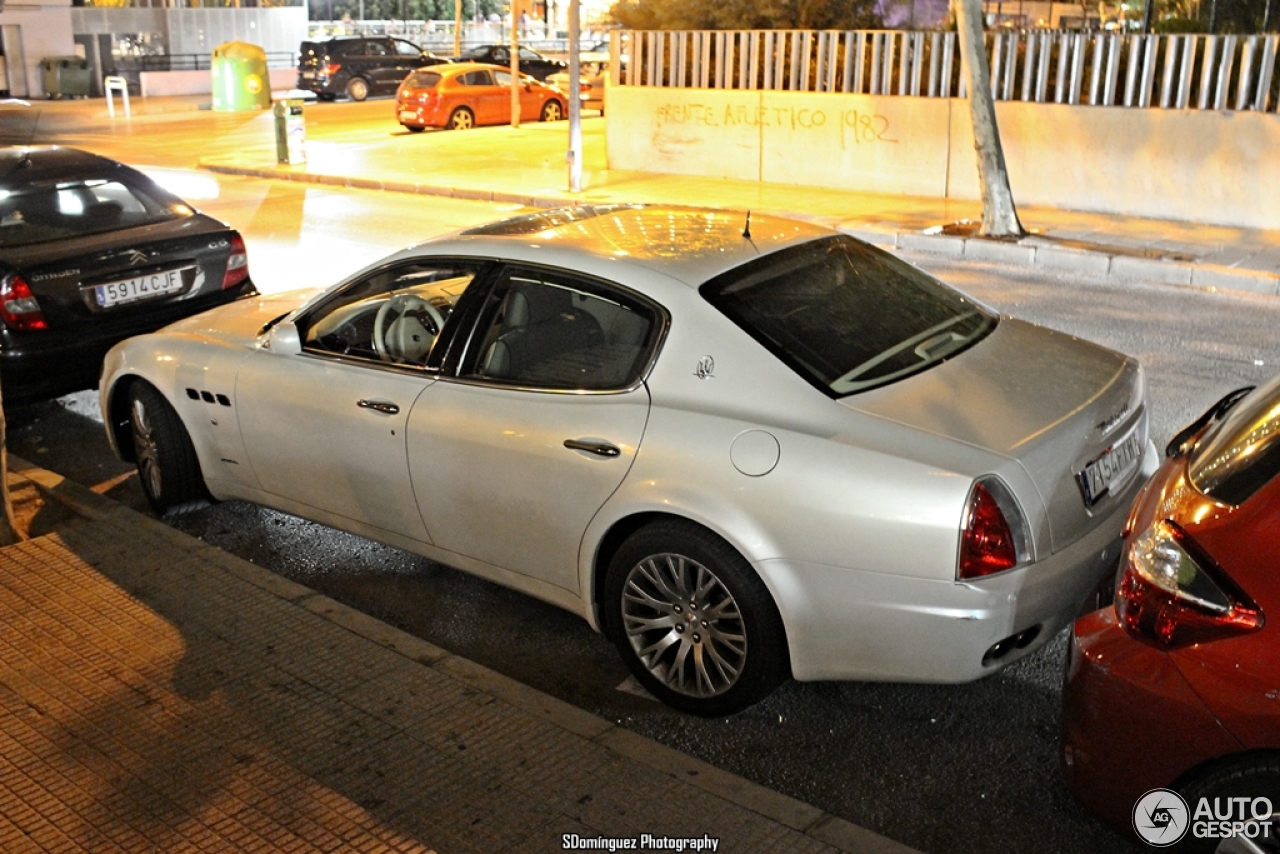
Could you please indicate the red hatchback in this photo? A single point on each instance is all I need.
(1172, 699)
(467, 94)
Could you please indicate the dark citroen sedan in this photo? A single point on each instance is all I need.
(93, 252)
(532, 63)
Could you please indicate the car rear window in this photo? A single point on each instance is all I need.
(42, 213)
(422, 80)
(846, 316)
(1241, 454)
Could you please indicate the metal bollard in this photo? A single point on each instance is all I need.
(291, 132)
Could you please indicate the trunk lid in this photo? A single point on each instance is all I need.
(187, 256)
(1051, 401)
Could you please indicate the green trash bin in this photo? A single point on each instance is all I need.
(240, 77)
(65, 76)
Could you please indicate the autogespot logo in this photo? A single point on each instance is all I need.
(1160, 818)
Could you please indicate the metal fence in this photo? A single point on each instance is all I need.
(1046, 66)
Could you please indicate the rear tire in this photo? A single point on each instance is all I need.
(693, 622)
(357, 89)
(167, 464)
(461, 119)
(414, 128)
(1253, 776)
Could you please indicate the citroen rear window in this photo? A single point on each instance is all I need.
(41, 213)
(847, 316)
(1241, 454)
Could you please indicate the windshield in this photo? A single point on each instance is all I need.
(38, 214)
(1242, 453)
(846, 316)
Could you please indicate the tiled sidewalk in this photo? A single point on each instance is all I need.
(157, 694)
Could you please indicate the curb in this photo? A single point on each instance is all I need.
(787, 811)
(1028, 252)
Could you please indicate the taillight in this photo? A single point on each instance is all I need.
(237, 264)
(329, 69)
(1172, 594)
(994, 536)
(18, 307)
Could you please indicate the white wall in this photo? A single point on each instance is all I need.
(46, 31)
(157, 83)
(1199, 166)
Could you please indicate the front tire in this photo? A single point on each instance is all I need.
(167, 464)
(552, 111)
(693, 622)
(461, 119)
(357, 89)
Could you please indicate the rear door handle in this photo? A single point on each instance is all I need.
(600, 449)
(378, 406)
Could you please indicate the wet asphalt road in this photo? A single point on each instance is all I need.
(970, 768)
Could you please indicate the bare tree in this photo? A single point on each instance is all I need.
(999, 216)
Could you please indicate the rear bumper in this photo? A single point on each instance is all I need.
(848, 624)
(1131, 723)
(41, 365)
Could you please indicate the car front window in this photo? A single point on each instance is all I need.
(1242, 453)
(39, 214)
(846, 316)
(393, 316)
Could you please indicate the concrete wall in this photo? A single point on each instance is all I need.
(44, 29)
(1200, 166)
(157, 83)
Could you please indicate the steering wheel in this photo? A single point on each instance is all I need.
(405, 338)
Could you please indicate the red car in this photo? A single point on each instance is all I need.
(1177, 686)
(467, 94)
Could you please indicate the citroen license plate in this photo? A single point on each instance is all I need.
(140, 288)
(1112, 468)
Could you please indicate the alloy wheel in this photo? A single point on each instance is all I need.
(146, 448)
(684, 625)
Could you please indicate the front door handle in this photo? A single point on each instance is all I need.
(600, 449)
(378, 406)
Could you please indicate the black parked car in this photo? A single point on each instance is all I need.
(93, 252)
(532, 63)
(358, 66)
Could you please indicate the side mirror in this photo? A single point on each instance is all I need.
(283, 338)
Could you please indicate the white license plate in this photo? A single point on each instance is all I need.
(1112, 468)
(408, 116)
(139, 288)
(308, 75)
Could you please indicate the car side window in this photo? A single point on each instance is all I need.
(477, 78)
(502, 78)
(393, 316)
(405, 48)
(527, 55)
(376, 47)
(550, 330)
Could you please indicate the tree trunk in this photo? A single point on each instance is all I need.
(999, 216)
(8, 525)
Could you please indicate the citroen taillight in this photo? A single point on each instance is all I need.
(237, 264)
(994, 536)
(1173, 594)
(18, 306)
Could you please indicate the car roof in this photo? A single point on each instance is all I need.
(52, 163)
(690, 244)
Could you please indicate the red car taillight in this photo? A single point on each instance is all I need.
(18, 307)
(993, 537)
(1172, 594)
(237, 264)
(329, 69)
